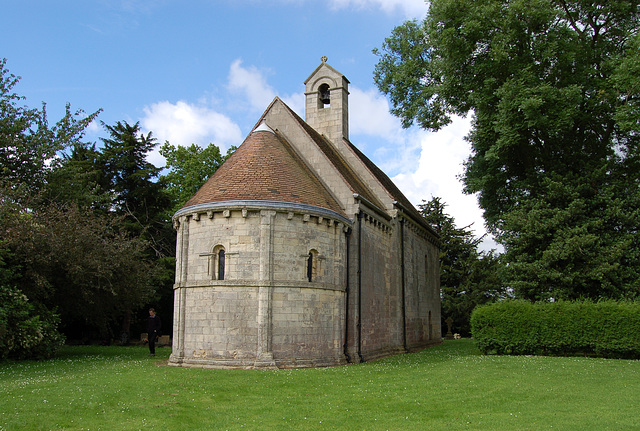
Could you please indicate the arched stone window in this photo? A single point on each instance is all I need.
(217, 265)
(312, 265)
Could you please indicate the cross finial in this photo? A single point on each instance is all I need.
(323, 58)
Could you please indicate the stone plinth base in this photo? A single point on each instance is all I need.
(263, 363)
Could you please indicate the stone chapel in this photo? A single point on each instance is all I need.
(300, 252)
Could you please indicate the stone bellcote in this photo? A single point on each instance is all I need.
(327, 102)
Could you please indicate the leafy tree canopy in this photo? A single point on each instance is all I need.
(137, 193)
(82, 231)
(127, 170)
(79, 178)
(78, 262)
(27, 142)
(554, 89)
(189, 168)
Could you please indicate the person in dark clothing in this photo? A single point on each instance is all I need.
(153, 331)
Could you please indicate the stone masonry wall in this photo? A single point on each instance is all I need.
(422, 288)
(381, 325)
(218, 325)
(381, 306)
(265, 310)
(307, 327)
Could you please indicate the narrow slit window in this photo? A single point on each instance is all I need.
(313, 260)
(221, 260)
(310, 267)
(217, 263)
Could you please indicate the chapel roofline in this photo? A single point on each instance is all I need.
(344, 169)
(397, 199)
(265, 167)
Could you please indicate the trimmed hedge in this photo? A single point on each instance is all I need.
(607, 329)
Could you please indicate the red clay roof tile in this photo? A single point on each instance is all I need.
(266, 168)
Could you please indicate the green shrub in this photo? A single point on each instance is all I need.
(25, 334)
(607, 328)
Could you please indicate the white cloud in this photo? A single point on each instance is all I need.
(94, 127)
(410, 8)
(439, 166)
(251, 83)
(369, 115)
(429, 163)
(296, 102)
(184, 124)
(441, 163)
(372, 126)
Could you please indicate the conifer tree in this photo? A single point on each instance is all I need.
(468, 276)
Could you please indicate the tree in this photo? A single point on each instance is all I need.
(142, 200)
(79, 179)
(28, 151)
(468, 276)
(76, 228)
(127, 171)
(580, 240)
(134, 182)
(25, 334)
(189, 168)
(79, 263)
(554, 89)
(27, 143)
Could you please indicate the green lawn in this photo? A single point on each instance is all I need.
(450, 387)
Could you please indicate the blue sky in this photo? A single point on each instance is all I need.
(203, 71)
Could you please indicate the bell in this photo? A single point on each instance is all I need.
(325, 96)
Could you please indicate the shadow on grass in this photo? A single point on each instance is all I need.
(447, 351)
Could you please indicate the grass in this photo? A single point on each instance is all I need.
(450, 387)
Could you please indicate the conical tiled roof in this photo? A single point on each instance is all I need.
(265, 168)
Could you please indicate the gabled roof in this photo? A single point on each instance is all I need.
(265, 168)
(354, 181)
(350, 177)
(327, 66)
(391, 188)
